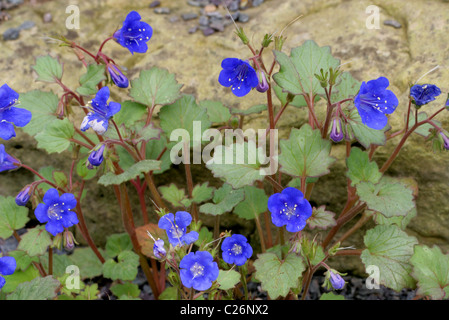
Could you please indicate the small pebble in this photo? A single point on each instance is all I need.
(174, 19)
(11, 34)
(194, 3)
(193, 29)
(189, 16)
(210, 8)
(217, 25)
(155, 4)
(243, 17)
(208, 31)
(257, 3)
(392, 23)
(162, 10)
(27, 25)
(243, 4)
(233, 6)
(47, 17)
(204, 21)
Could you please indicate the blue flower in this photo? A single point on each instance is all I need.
(423, 94)
(176, 228)
(374, 101)
(24, 196)
(117, 76)
(445, 140)
(6, 161)
(158, 249)
(7, 267)
(98, 118)
(134, 33)
(289, 208)
(337, 130)
(239, 75)
(198, 270)
(236, 249)
(336, 280)
(96, 157)
(56, 211)
(9, 114)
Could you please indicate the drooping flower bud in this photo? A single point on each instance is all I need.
(336, 280)
(69, 240)
(24, 196)
(158, 249)
(96, 157)
(337, 130)
(445, 140)
(117, 76)
(263, 83)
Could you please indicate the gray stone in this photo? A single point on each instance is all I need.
(155, 4)
(208, 31)
(257, 3)
(243, 17)
(204, 21)
(174, 19)
(189, 16)
(193, 29)
(27, 25)
(393, 23)
(162, 10)
(234, 6)
(47, 17)
(217, 25)
(11, 34)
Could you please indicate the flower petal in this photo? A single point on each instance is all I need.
(7, 266)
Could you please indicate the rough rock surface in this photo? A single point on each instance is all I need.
(401, 54)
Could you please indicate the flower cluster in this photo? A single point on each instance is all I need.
(176, 228)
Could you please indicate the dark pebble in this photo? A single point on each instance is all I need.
(233, 6)
(204, 21)
(392, 23)
(208, 31)
(27, 25)
(257, 3)
(193, 29)
(217, 25)
(243, 17)
(174, 19)
(198, 3)
(11, 34)
(155, 4)
(189, 16)
(162, 10)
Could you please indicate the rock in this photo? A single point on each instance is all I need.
(204, 21)
(393, 23)
(257, 3)
(155, 4)
(11, 34)
(217, 25)
(233, 6)
(47, 18)
(27, 25)
(208, 31)
(210, 8)
(189, 16)
(244, 4)
(162, 10)
(193, 29)
(243, 18)
(174, 19)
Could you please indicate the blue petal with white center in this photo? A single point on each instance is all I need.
(6, 161)
(10, 115)
(176, 228)
(423, 94)
(374, 102)
(8, 266)
(239, 75)
(101, 112)
(134, 33)
(236, 250)
(56, 211)
(198, 270)
(289, 208)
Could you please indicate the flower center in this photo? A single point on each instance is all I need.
(176, 232)
(289, 211)
(55, 212)
(197, 270)
(375, 101)
(236, 249)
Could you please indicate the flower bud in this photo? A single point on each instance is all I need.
(117, 76)
(69, 240)
(57, 241)
(24, 196)
(337, 130)
(158, 249)
(263, 83)
(445, 140)
(95, 157)
(336, 280)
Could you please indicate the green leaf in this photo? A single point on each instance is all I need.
(239, 164)
(23, 260)
(56, 136)
(360, 168)
(345, 88)
(94, 75)
(390, 249)
(228, 279)
(278, 276)
(117, 243)
(12, 216)
(400, 221)
(35, 242)
(88, 263)
(331, 296)
(431, 270)
(224, 200)
(83, 171)
(424, 129)
(365, 135)
(298, 101)
(173, 195)
(297, 72)
(60, 263)
(18, 277)
(126, 289)
(130, 173)
(305, 153)
(155, 86)
(124, 269)
(43, 106)
(202, 192)
(389, 197)
(170, 293)
(130, 113)
(216, 111)
(36, 289)
(251, 110)
(48, 69)
(321, 218)
(254, 204)
(181, 115)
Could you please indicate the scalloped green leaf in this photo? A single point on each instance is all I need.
(321, 218)
(228, 279)
(224, 200)
(56, 136)
(364, 134)
(117, 243)
(43, 106)
(36, 289)
(124, 269)
(254, 204)
(48, 69)
(360, 168)
(94, 75)
(12, 216)
(35, 242)
(132, 172)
